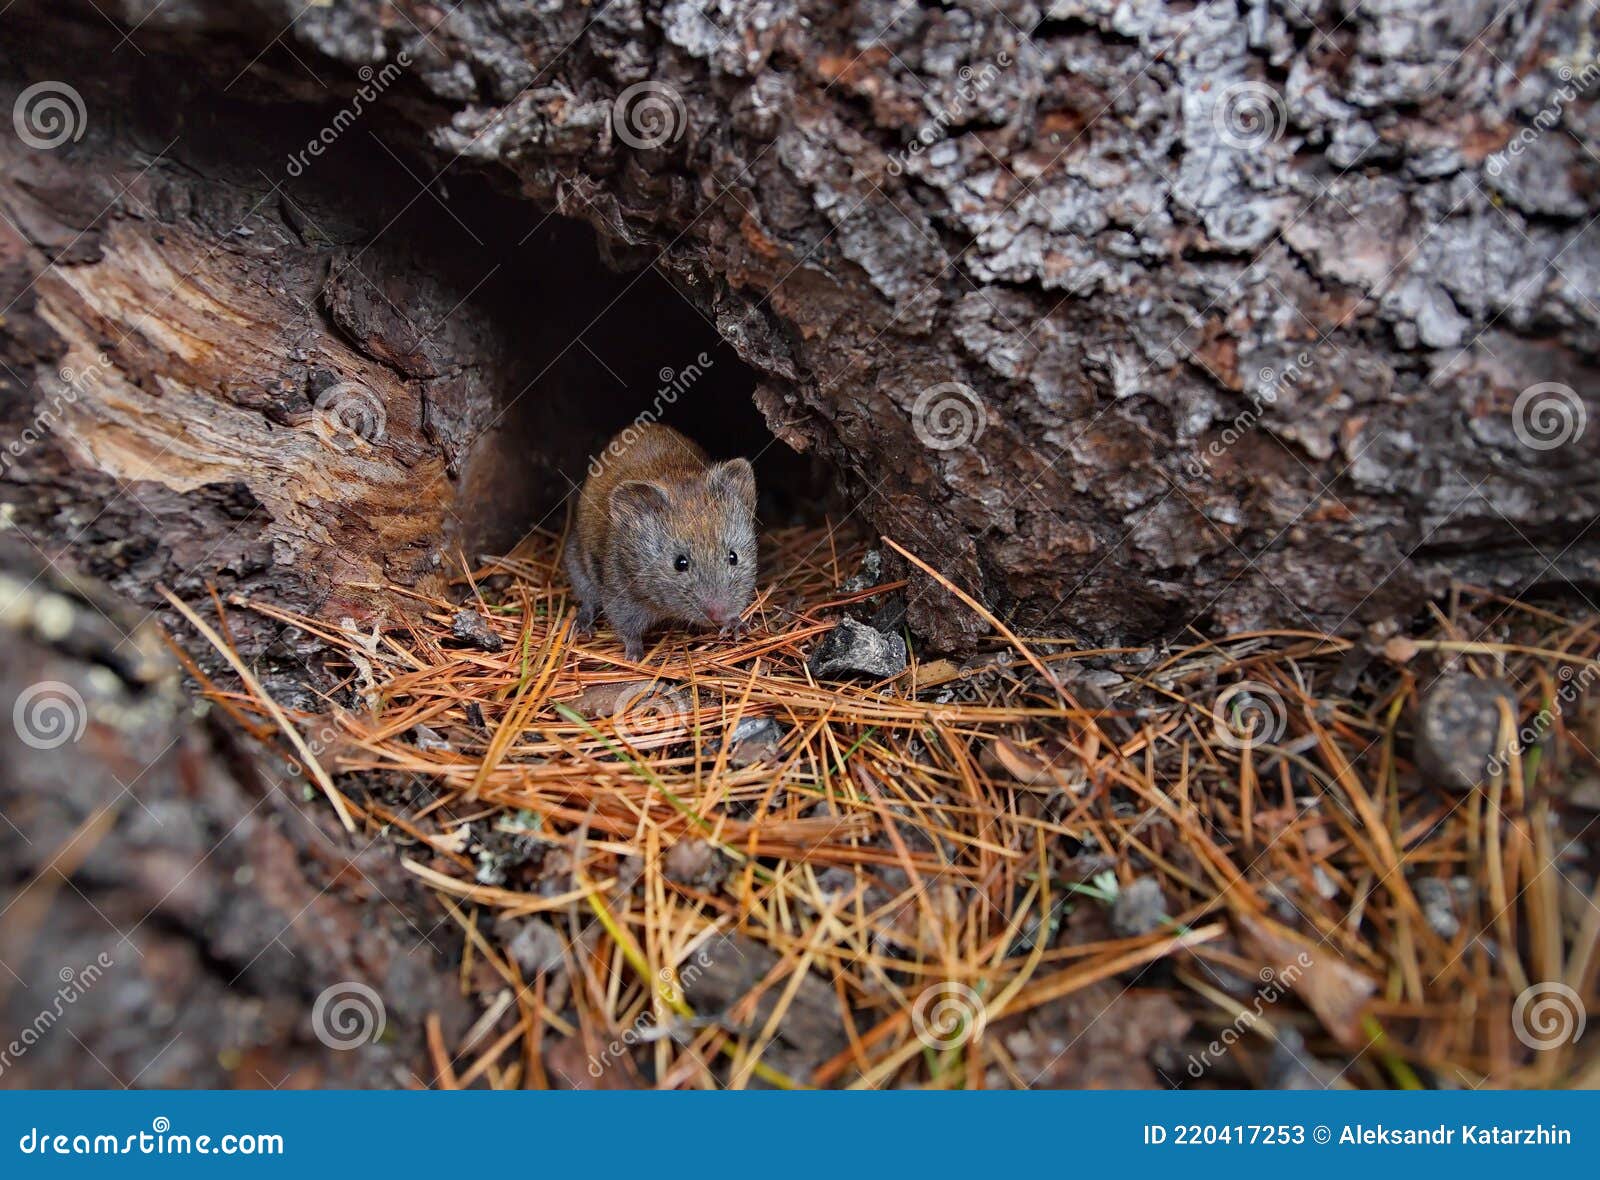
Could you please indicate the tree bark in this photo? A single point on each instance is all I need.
(1229, 306)
(172, 915)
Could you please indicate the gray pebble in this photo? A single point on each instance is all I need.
(469, 627)
(853, 648)
(1437, 900)
(1140, 909)
(1458, 731)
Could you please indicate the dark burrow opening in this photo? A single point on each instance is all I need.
(579, 344)
(597, 350)
(573, 341)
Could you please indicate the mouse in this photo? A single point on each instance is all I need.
(662, 533)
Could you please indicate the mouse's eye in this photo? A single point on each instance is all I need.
(680, 563)
(733, 558)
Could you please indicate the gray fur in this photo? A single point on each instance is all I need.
(700, 513)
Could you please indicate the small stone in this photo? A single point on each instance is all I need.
(603, 700)
(853, 648)
(1139, 909)
(835, 882)
(1458, 731)
(754, 739)
(469, 627)
(694, 862)
(629, 869)
(491, 867)
(1280, 900)
(1438, 903)
(1102, 679)
(870, 574)
(1326, 888)
(1292, 1066)
(428, 738)
(534, 944)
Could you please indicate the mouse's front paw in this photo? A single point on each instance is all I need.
(583, 626)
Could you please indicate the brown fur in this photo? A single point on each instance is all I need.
(653, 498)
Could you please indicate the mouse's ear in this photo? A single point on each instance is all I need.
(642, 497)
(734, 480)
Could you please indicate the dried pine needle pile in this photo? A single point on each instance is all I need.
(1045, 866)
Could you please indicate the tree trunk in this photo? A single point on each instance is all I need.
(182, 916)
(1124, 317)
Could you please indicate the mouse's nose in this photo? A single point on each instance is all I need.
(716, 613)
